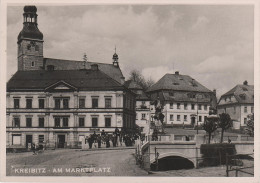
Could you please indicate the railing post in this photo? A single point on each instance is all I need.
(227, 165)
(197, 164)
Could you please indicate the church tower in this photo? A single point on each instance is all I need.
(115, 59)
(30, 42)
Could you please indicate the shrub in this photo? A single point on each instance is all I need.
(215, 154)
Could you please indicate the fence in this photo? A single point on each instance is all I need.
(235, 166)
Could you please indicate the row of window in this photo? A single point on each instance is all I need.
(246, 109)
(61, 103)
(192, 106)
(61, 122)
(185, 118)
(17, 139)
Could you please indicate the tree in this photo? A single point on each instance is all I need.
(225, 123)
(136, 76)
(250, 125)
(210, 125)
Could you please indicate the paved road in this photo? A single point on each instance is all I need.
(71, 162)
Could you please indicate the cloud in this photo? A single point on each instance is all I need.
(149, 38)
(156, 73)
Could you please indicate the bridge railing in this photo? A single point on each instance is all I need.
(216, 138)
(236, 168)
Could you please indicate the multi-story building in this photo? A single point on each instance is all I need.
(56, 103)
(185, 101)
(238, 103)
(143, 111)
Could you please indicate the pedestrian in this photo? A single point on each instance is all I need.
(33, 149)
(121, 138)
(117, 133)
(94, 136)
(107, 141)
(99, 141)
(90, 141)
(103, 133)
(114, 139)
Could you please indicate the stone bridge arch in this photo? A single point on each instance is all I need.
(169, 154)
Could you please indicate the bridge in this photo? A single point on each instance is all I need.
(169, 149)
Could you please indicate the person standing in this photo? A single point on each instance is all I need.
(90, 141)
(117, 133)
(114, 139)
(107, 141)
(99, 141)
(94, 138)
(33, 148)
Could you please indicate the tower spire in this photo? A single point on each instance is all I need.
(115, 59)
(30, 42)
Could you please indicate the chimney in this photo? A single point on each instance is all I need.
(94, 67)
(177, 72)
(122, 80)
(245, 82)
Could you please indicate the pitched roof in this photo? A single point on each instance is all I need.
(178, 82)
(89, 80)
(132, 85)
(61, 64)
(243, 93)
(136, 88)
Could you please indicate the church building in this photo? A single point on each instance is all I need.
(56, 103)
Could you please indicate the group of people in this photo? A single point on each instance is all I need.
(117, 138)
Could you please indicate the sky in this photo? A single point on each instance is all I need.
(213, 44)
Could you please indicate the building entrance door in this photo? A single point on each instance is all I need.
(193, 121)
(28, 141)
(61, 141)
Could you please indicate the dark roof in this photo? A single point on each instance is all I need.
(243, 93)
(142, 96)
(30, 9)
(61, 64)
(132, 85)
(136, 88)
(30, 30)
(178, 82)
(90, 80)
